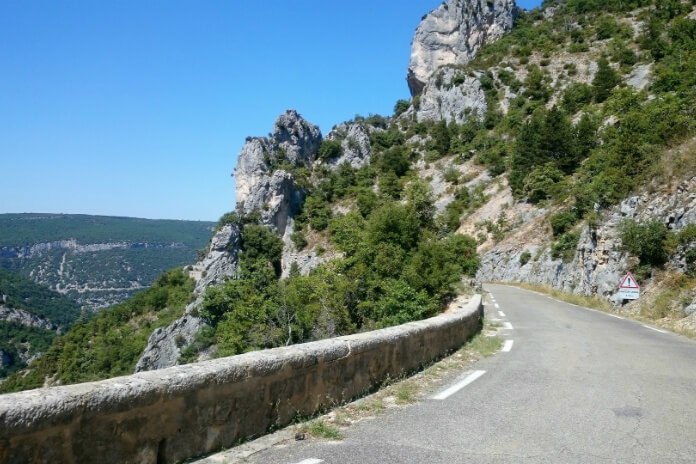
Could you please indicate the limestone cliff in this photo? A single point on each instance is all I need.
(453, 33)
(266, 185)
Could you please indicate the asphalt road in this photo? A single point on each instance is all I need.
(576, 386)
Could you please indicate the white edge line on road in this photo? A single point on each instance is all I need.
(459, 385)
(508, 326)
(507, 346)
(501, 314)
(588, 309)
(656, 330)
(311, 461)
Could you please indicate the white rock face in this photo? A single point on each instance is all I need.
(24, 318)
(450, 95)
(355, 144)
(599, 263)
(260, 187)
(453, 33)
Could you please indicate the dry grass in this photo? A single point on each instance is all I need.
(661, 306)
(580, 300)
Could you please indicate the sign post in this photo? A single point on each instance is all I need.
(629, 288)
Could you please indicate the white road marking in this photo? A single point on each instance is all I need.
(311, 461)
(501, 314)
(656, 330)
(508, 326)
(615, 316)
(507, 346)
(459, 385)
(497, 305)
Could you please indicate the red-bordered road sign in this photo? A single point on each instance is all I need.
(629, 288)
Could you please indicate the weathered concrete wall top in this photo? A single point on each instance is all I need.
(172, 414)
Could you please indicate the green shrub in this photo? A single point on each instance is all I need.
(605, 80)
(298, 238)
(651, 242)
(400, 107)
(525, 257)
(452, 176)
(330, 149)
(576, 96)
(566, 246)
(562, 222)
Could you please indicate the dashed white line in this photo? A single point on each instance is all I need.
(507, 346)
(497, 305)
(459, 385)
(501, 314)
(656, 330)
(508, 326)
(311, 461)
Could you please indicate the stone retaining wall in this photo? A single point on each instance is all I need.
(172, 414)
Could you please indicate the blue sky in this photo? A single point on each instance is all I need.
(139, 108)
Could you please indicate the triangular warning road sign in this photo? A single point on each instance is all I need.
(629, 282)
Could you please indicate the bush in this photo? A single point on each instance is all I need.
(298, 238)
(566, 246)
(330, 149)
(229, 218)
(650, 242)
(562, 222)
(576, 96)
(525, 257)
(400, 107)
(539, 184)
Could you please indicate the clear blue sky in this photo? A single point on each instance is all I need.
(139, 108)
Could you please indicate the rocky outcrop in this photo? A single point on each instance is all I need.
(265, 184)
(599, 262)
(453, 33)
(165, 344)
(19, 316)
(355, 145)
(220, 263)
(450, 95)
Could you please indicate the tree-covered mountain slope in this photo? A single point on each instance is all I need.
(30, 316)
(96, 260)
(560, 154)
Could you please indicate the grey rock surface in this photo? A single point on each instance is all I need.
(640, 77)
(450, 95)
(220, 263)
(260, 187)
(355, 145)
(453, 33)
(599, 262)
(294, 141)
(19, 316)
(165, 344)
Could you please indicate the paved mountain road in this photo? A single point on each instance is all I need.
(576, 386)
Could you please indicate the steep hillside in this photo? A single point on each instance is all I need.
(97, 261)
(560, 153)
(30, 317)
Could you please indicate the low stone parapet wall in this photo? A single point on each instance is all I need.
(169, 415)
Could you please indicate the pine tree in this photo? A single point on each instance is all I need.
(605, 80)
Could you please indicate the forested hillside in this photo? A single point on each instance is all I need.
(30, 315)
(97, 260)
